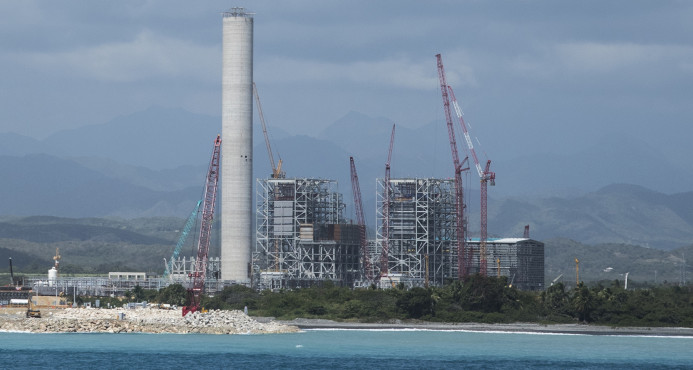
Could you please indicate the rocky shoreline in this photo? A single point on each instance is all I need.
(141, 320)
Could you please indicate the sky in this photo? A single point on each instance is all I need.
(530, 75)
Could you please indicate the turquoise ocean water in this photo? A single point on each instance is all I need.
(336, 349)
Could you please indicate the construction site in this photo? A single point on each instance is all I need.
(300, 236)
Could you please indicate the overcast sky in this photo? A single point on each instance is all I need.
(540, 75)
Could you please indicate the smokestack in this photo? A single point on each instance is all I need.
(237, 145)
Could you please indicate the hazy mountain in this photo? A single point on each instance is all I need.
(627, 214)
(611, 261)
(612, 159)
(45, 185)
(154, 163)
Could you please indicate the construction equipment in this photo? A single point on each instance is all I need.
(485, 176)
(463, 255)
(577, 271)
(183, 237)
(31, 312)
(526, 234)
(556, 279)
(56, 258)
(277, 172)
(384, 256)
(11, 273)
(361, 221)
(200, 271)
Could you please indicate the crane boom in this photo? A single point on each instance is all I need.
(485, 177)
(384, 256)
(361, 221)
(463, 255)
(200, 271)
(470, 145)
(183, 237)
(277, 172)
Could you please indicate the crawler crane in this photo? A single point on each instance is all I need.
(200, 271)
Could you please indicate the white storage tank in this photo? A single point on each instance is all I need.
(52, 276)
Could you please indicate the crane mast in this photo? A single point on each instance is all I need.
(463, 255)
(384, 256)
(200, 271)
(277, 172)
(361, 220)
(485, 176)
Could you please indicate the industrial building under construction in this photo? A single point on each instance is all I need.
(302, 236)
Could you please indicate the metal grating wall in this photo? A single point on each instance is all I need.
(422, 240)
(302, 236)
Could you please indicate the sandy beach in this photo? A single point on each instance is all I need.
(513, 328)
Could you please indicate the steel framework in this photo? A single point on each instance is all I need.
(302, 235)
(422, 230)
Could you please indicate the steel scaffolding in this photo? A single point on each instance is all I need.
(182, 268)
(302, 236)
(422, 226)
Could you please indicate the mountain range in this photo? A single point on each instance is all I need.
(153, 163)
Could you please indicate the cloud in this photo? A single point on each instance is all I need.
(606, 57)
(146, 56)
(388, 73)
(626, 63)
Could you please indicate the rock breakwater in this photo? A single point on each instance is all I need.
(142, 320)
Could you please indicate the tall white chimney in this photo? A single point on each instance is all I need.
(237, 145)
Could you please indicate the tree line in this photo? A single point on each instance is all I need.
(474, 299)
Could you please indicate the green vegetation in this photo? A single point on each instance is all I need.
(477, 299)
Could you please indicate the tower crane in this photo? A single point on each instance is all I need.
(183, 237)
(463, 255)
(277, 172)
(486, 177)
(384, 256)
(361, 220)
(210, 195)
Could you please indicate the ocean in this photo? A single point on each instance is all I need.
(340, 349)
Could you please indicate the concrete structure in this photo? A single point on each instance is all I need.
(521, 260)
(237, 146)
(302, 236)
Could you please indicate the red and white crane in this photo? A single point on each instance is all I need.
(200, 271)
(486, 177)
(463, 255)
(361, 221)
(384, 256)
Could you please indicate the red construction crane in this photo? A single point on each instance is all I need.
(463, 255)
(200, 271)
(277, 172)
(486, 177)
(384, 256)
(526, 234)
(361, 221)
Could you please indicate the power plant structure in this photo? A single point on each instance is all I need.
(421, 239)
(521, 260)
(303, 238)
(237, 146)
